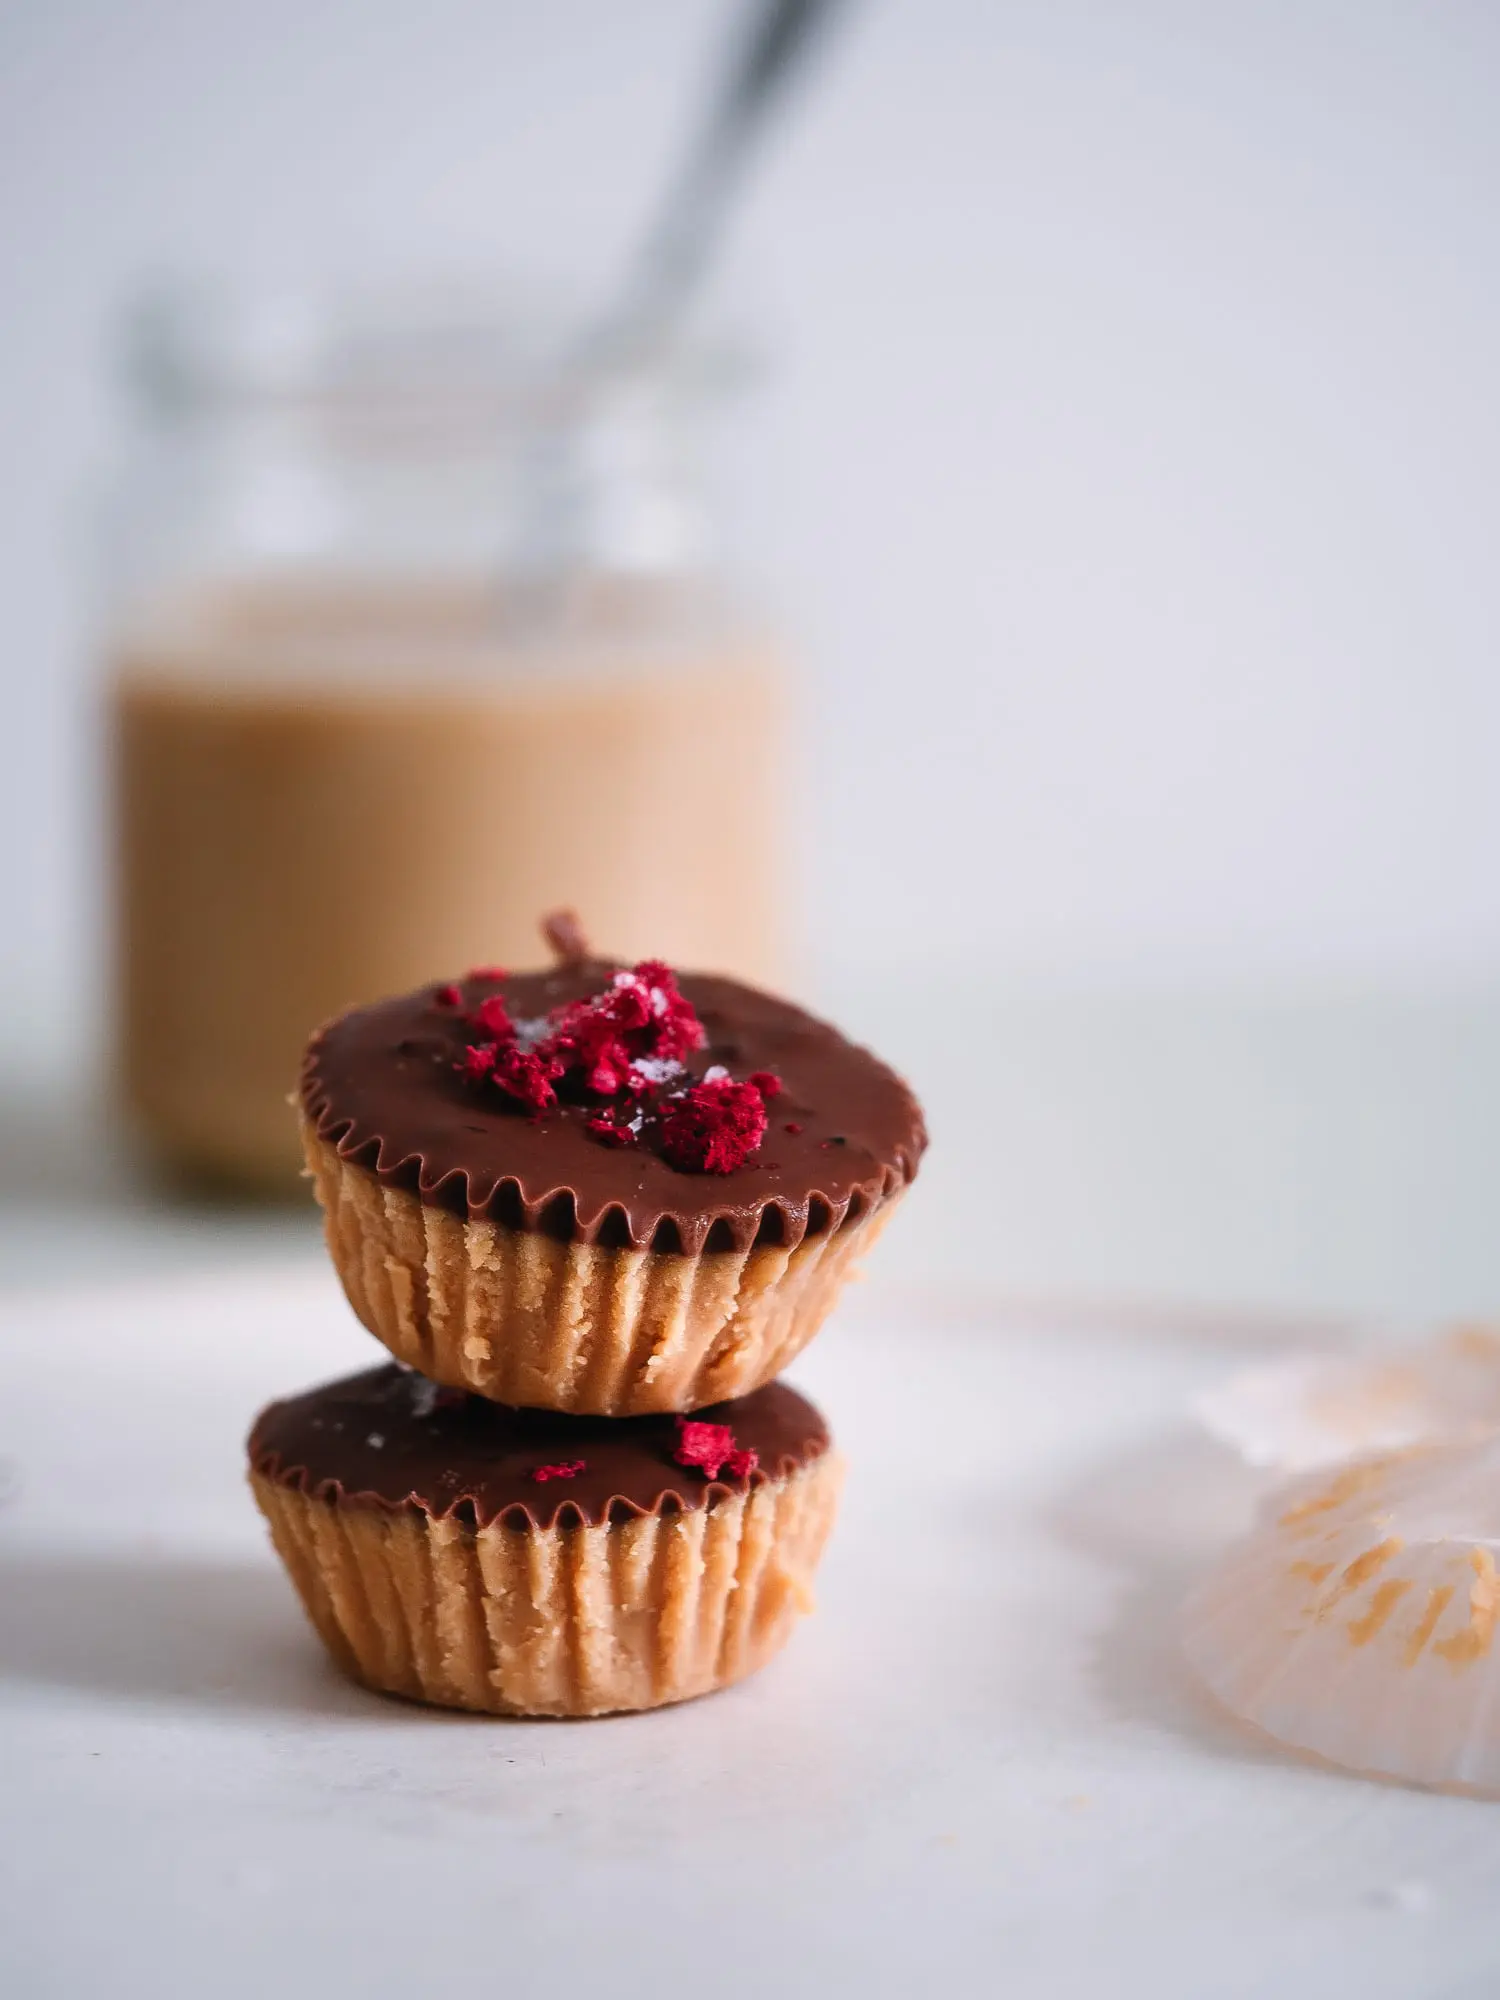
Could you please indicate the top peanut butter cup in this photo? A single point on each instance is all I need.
(618, 1105)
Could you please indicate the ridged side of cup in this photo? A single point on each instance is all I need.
(564, 1621)
(522, 1318)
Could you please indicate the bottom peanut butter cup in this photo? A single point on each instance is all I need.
(527, 1562)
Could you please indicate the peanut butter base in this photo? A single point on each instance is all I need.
(522, 1318)
(561, 1621)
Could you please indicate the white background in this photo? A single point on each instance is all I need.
(1127, 467)
(1125, 472)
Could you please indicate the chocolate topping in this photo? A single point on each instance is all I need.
(392, 1439)
(381, 1084)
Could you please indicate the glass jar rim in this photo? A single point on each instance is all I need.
(198, 344)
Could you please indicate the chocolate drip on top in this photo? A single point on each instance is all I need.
(391, 1439)
(564, 934)
(381, 1084)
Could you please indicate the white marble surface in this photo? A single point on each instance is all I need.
(978, 1769)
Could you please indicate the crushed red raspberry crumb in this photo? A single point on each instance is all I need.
(640, 1017)
(792, 1126)
(624, 1047)
(527, 1075)
(448, 996)
(569, 1470)
(491, 972)
(492, 1018)
(610, 1130)
(711, 1447)
(675, 1024)
(714, 1127)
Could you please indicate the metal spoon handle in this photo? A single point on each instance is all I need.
(679, 243)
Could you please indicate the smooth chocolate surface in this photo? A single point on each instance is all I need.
(389, 1438)
(381, 1084)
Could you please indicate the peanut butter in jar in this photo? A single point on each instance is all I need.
(342, 768)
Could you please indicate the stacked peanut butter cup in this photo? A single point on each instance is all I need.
(593, 1212)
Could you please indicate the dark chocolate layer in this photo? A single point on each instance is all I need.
(380, 1083)
(391, 1439)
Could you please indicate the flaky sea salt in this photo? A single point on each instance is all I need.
(424, 1395)
(657, 1069)
(375, 1441)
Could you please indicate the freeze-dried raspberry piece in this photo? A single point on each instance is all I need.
(479, 1060)
(492, 1018)
(715, 1127)
(711, 1447)
(526, 1075)
(706, 1446)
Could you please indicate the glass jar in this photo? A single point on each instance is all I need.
(416, 633)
